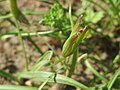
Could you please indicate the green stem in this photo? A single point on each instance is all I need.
(73, 63)
(6, 16)
(26, 34)
(46, 1)
(50, 77)
(113, 79)
(8, 76)
(56, 62)
(70, 14)
(95, 72)
(14, 8)
(23, 47)
(35, 45)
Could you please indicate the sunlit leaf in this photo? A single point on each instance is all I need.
(42, 61)
(15, 87)
(56, 78)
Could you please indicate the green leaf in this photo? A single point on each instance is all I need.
(8, 75)
(113, 79)
(93, 17)
(42, 61)
(18, 15)
(56, 78)
(94, 71)
(14, 87)
(56, 17)
(24, 34)
(73, 63)
(116, 59)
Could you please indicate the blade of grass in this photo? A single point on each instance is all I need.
(117, 57)
(5, 16)
(50, 77)
(82, 56)
(42, 61)
(43, 76)
(14, 87)
(8, 19)
(24, 34)
(8, 76)
(70, 13)
(43, 84)
(25, 13)
(23, 47)
(94, 71)
(16, 14)
(113, 79)
(46, 1)
(73, 63)
(56, 62)
(34, 44)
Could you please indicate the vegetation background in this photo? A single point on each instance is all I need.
(96, 63)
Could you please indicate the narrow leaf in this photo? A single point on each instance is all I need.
(24, 34)
(18, 15)
(56, 78)
(8, 75)
(14, 87)
(113, 79)
(42, 61)
(94, 71)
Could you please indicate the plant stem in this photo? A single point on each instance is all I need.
(73, 63)
(113, 79)
(26, 34)
(35, 45)
(22, 43)
(56, 62)
(17, 16)
(8, 76)
(70, 14)
(95, 71)
(46, 1)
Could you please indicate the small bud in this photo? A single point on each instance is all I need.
(74, 39)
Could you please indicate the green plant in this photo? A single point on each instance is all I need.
(68, 25)
(19, 17)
